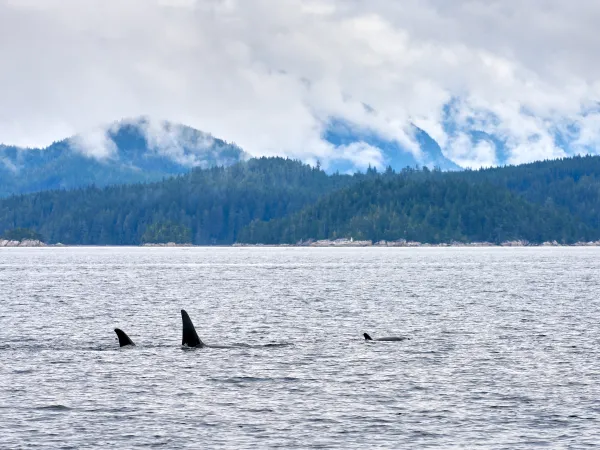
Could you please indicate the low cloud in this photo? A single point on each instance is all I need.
(269, 74)
(95, 143)
(360, 155)
(466, 153)
(181, 144)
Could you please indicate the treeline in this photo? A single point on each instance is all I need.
(542, 201)
(431, 209)
(206, 206)
(21, 234)
(568, 184)
(275, 200)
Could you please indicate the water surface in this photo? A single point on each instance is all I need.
(503, 350)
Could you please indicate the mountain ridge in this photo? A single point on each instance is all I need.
(342, 133)
(145, 150)
(127, 151)
(141, 150)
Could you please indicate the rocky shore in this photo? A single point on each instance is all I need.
(167, 244)
(23, 243)
(404, 243)
(338, 243)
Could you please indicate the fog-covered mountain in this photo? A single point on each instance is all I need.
(350, 140)
(124, 152)
(141, 149)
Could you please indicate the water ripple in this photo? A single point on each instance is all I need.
(504, 350)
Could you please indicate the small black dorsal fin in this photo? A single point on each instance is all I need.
(190, 337)
(123, 338)
(367, 337)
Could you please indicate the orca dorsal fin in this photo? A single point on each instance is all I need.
(367, 337)
(190, 337)
(123, 338)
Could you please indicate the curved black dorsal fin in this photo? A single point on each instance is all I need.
(190, 337)
(367, 337)
(123, 338)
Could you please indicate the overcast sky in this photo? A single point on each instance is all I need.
(267, 74)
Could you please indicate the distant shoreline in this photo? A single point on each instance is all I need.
(338, 243)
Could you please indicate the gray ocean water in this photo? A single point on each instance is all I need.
(503, 350)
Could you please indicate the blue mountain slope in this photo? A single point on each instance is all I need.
(141, 151)
(343, 134)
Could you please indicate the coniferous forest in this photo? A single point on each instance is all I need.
(275, 200)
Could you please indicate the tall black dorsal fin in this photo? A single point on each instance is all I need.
(190, 337)
(367, 337)
(123, 338)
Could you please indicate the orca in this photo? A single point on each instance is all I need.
(123, 338)
(391, 338)
(190, 337)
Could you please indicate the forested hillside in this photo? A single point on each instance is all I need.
(207, 206)
(427, 208)
(572, 184)
(547, 200)
(273, 200)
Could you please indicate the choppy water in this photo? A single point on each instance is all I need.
(504, 349)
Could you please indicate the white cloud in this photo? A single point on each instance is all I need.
(180, 143)
(267, 74)
(94, 143)
(587, 140)
(361, 155)
(466, 153)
